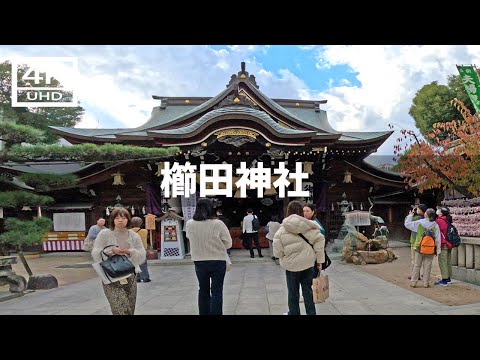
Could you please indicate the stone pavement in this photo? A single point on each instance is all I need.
(253, 287)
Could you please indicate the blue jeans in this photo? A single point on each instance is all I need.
(294, 280)
(210, 300)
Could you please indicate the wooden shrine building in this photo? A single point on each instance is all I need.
(243, 124)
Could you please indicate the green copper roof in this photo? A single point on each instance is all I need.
(317, 119)
(52, 167)
(163, 116)
(364, 135)
(102, 133)
(233, 110)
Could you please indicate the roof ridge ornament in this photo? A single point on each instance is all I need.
(236, 100)
(242, 74)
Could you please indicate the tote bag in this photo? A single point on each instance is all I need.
(320, 288)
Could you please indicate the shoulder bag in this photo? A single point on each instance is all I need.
(117, 265)
(327, 262)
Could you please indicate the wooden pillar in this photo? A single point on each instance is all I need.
(390, 215)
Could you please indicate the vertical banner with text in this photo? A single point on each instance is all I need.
(472, 84)
(188, 208)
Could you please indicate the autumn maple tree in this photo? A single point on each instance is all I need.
(443, 162)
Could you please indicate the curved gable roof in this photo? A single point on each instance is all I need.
(319, 120)
(175, 119)
(232, 110)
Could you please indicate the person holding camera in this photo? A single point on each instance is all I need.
(418, 213)
(427, 224)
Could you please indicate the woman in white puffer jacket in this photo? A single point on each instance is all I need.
(297, 256)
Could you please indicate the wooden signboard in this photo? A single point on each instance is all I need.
(150, 221)
(358, 218)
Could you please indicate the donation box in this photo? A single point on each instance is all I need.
(172, 239)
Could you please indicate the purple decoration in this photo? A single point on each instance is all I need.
(154, 200)
(322, 201)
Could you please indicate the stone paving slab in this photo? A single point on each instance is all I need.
(253, 288)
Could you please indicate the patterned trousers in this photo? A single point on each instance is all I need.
(122, 298)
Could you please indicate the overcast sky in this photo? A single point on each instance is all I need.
(367, 87)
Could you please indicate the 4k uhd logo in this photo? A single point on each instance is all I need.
(44, 82)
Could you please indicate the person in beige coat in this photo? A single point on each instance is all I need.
(297, 256)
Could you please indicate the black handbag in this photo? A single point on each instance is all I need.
(117, 265)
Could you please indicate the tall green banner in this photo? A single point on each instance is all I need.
(472, 84)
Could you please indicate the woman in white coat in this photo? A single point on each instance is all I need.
(297, 256)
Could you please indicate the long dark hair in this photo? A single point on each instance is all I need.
(447, 215)
(204, 210)
(295, 207)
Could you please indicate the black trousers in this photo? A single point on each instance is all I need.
(254, 237)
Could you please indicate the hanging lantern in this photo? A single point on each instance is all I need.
(143, 210)
(133, 210)
(160, 167)
(118, 178)
(307, 167)
(39, 212)
(361, 206)
(347, 177)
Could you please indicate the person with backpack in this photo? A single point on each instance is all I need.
(250, 228)
(427, 244)
(445, 258)
(418, 213)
